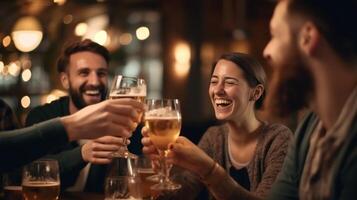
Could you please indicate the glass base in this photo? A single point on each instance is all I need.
(166, 186)
(154, 178)
(124, 154)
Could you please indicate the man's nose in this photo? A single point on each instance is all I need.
(93, 79)
(266, 53)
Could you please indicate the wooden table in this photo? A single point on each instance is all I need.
(81, 196)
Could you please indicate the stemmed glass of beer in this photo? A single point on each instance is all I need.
(127, 87)
(163, 120)
(40, 180)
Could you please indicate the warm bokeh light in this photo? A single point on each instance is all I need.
(240, 46)
(26, 75)
(6, 41)
(125, 39)
(100, 37)
(81, 29)
(67, 19)
(27, 34)
(14, 69)
(142, 33)
(25, 101)
(59, 2)
(182, 56)
(53, 95)
(182, 52)
(1, 67)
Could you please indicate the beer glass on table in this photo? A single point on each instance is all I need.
(163, 120)
(123, 181)
(11, 183)
(127, 87)
(40, 180)
(146, 173)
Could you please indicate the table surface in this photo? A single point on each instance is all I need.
(81, 196)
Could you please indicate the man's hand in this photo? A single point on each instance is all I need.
(100, 150)
(116, 117)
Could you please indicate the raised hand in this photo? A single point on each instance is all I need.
(116, 117)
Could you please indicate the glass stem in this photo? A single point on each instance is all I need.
(164, 168)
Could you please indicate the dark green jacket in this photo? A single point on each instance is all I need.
(345, 174)
(21, 146)
(69, 155)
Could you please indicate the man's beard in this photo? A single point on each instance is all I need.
(290, 88)
(77, 97)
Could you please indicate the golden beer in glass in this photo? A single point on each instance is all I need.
(40, 180)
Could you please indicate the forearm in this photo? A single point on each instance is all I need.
(21, 146)
(223, 187)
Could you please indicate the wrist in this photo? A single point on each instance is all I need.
(68, 124)
(212, 176)
(83, 153)
(206, 172)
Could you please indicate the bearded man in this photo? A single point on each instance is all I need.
(313, 52)
(83, 70)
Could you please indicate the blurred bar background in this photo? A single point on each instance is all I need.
(170, 43)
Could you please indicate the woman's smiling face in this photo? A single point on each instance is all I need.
(229, 92)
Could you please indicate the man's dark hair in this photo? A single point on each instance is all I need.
(85, 45)
(253, 71)
(336, 20)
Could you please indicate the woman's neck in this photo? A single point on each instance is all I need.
(244, 131)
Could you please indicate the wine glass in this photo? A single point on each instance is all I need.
(122, 187)
(148, 177)
(127, 87)
(123, 181)
(40, 180)
(163, 120)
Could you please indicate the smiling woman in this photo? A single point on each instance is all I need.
(250, 150)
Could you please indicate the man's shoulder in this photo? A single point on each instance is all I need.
(56, 108)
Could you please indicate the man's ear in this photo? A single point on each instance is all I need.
(309, 38)
(64, 80)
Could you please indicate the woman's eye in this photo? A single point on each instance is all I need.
(214, 82)
(230, 83)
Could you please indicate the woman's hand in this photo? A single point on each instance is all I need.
(149, 147)
(187, 155)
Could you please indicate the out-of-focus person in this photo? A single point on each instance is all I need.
(8, 120)
(249, 149)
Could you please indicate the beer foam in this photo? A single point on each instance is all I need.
(13, 188)
(146, 170)
(128, 95)
(40, 183)
(162, 113)
(129, 92)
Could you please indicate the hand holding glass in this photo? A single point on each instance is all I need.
(163, 120)
(127, 87)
